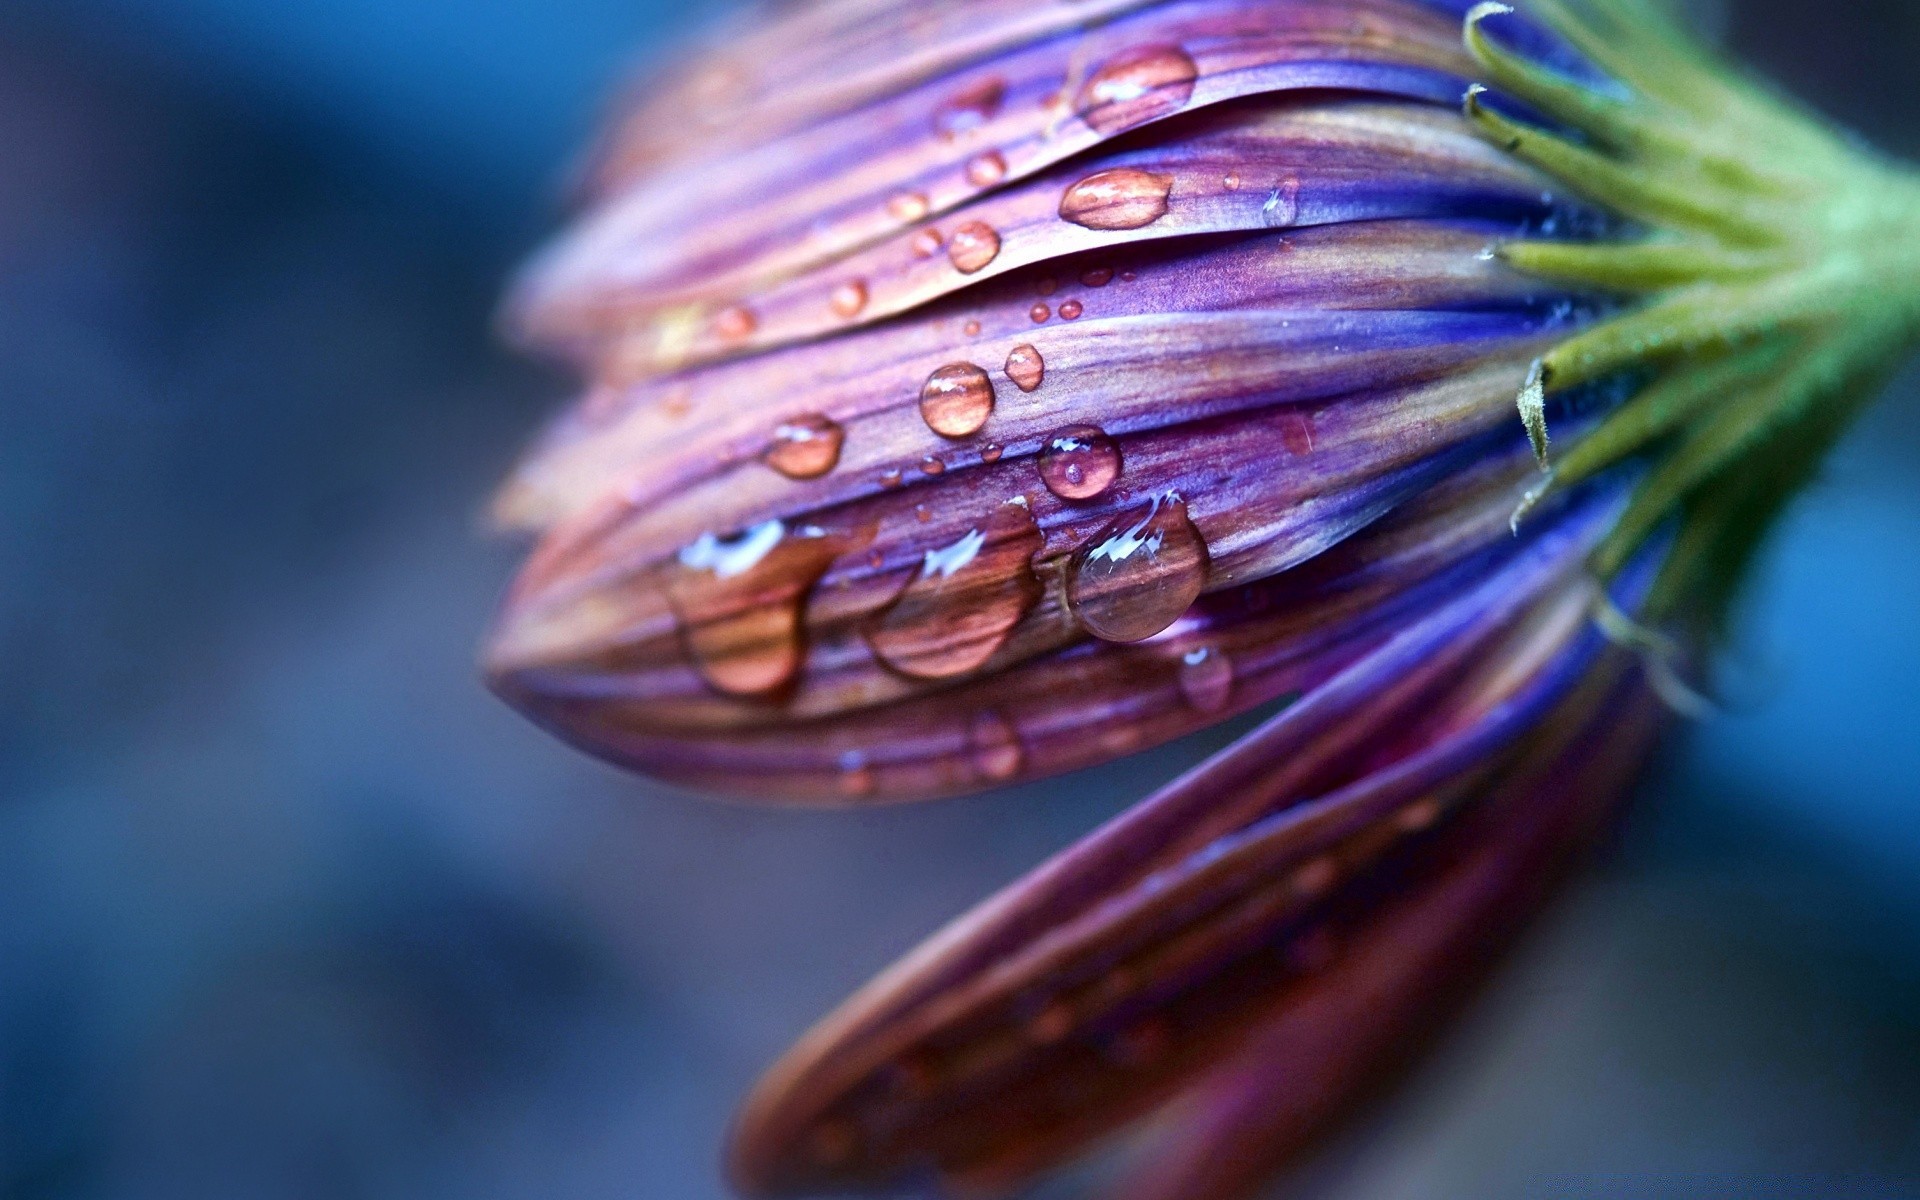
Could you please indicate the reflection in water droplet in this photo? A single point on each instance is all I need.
(994, 747)
(964, 601)
(1283, 205)
(1025, 367)
(973, 246)
(1122, 198)
(956, 400)
(849, 298)
(986, 168)
(805, 447)
(739, 600)
(734, 322)
(1136, 576)
(1079, 462)
(1071, 310)
(1206, 679)
(908, 206)
(926, 243)
(1136, 86)
(1040, 312)
(969, 108)
(1098, 277)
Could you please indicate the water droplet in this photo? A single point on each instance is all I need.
(990, 453)
(1070, 310)
(1296, 433)
(1128, 277)
(956, 400)
(973, 246)
(1047, 286)
(1025, 367)
(1316, 877)
(926, 243)
(856, 775)
(933, 464)
(971, 329)
(1231, 182)
(923, 514)
(1283, 205)
(1206, 679)
(994, 747)
(739, 602)
(1136, 86)
(1419, 816)
(1040, 312)
(849, 298)
(964, 601)
(907, 207)
(1136, 576)
(969, 108)
(734, 322)
(891, 477)
(986, 168)
(1099, 277)
(805, 447)
(1079, 463)
(1122, 198)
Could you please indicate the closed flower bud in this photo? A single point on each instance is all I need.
(982, 391)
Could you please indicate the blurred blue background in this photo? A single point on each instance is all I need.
(289, 908)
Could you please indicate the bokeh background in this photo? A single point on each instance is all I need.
(289, 908)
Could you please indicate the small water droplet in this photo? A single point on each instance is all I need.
(1070, 310)
(969, 108)
(806, 447)
(1128, 276)
(1231, 182)
(1206, 679)
(849, 298)
(1283, 205)
(964, 601)
(735, 322)
(1099, 277)
(1040, 312)
(926, 243)
(1135, 577)
(994, 747)
(739, 602)
(922, 514)
(990, 453)
(1121, 198)
(986, 168)
(933, 464)
(973, 246)
(1025, 367)
(971, 329)
(1079, 463)
(1296, 433)
(956, 400)
(891, 477)
(908, 207)
(1139, 85)
(856, 775)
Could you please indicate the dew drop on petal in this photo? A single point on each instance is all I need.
(739, 600)
(1025, 367)
(1040, 312)
(1070, 310)
(973, 246)
(891, 477)
(956, 400)
(971, 329)
(907, 207)
(734, 322)
(1099, 277)
(849, 298)
(926, 243)
(806, 447)
(1079, 463)
(994, 748)
(1120, 198)
(1282, 207)
(1206, 679)
(990, 453)
(1136, 576)
(964, 601)
(1139, 85)
(969, 108)
(986, 168)
(933, 464)
(1047, 285)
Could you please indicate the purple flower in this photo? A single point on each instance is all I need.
(982, 391)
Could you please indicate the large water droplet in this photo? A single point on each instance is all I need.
(973, 246)
(956, 400)
(1282, 207)
(1079, 462)
(964, 601)
(806, 447)
(1122, 198)
(1206, 679)
(1139, 85)
(969, 108)
(1025, 367)
(994, 748)
(739, 602)
(1136, 576)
